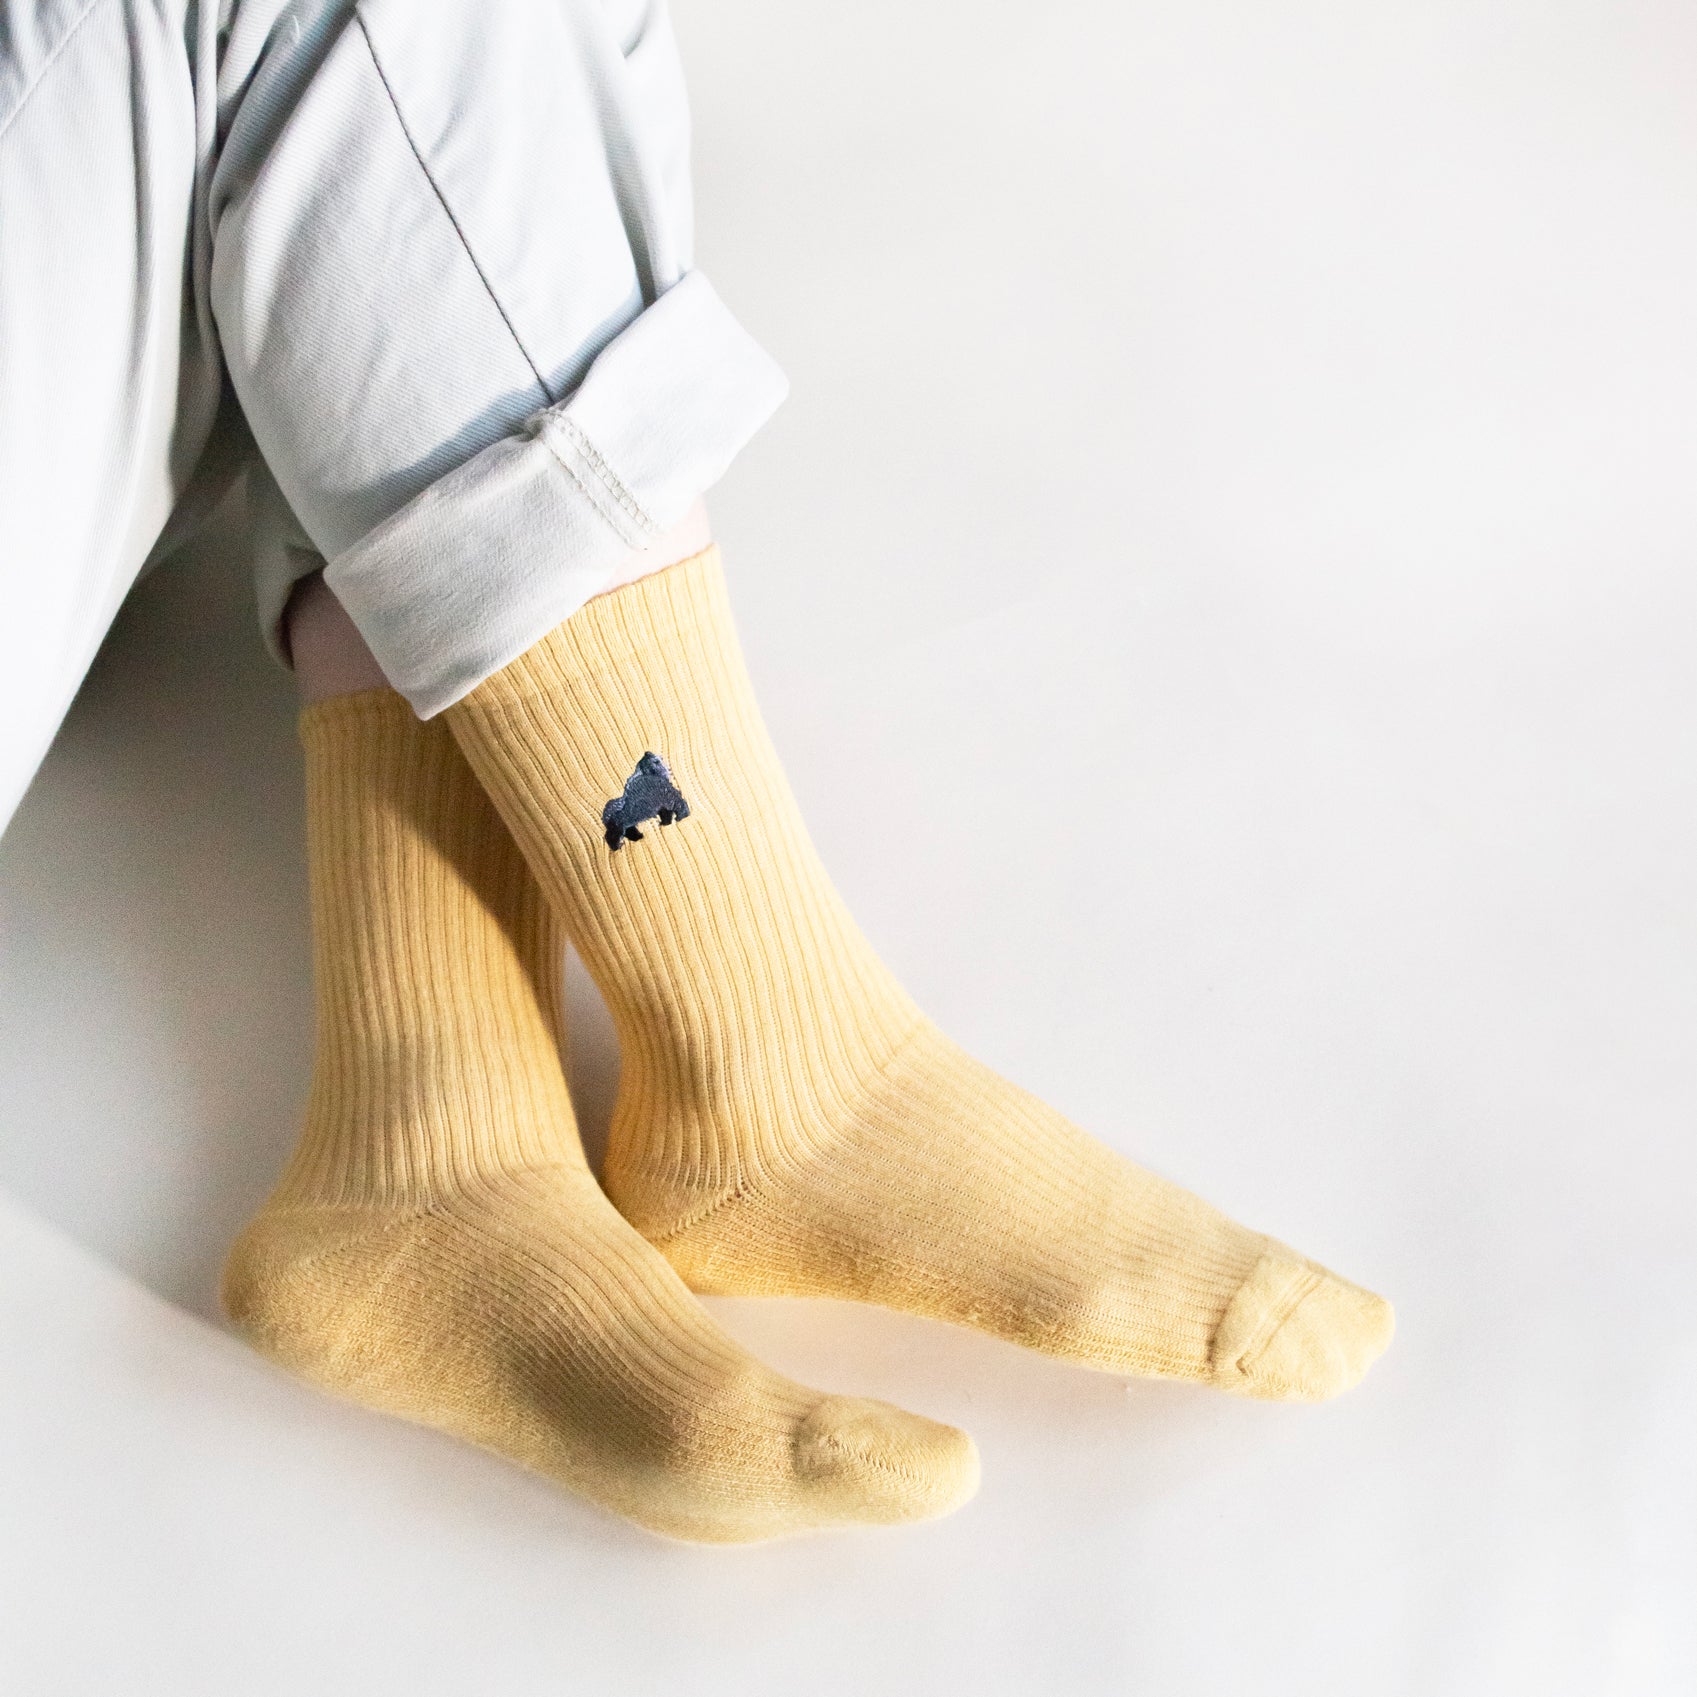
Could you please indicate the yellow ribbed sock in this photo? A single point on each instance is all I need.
(787, 1122)
(437, 1247)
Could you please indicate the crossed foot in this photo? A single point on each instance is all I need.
(787, 1122)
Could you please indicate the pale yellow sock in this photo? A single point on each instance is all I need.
(787, 1121)
(437, 1247)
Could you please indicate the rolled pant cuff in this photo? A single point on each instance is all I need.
(492, 556)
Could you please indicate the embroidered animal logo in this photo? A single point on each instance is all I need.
(649, 793)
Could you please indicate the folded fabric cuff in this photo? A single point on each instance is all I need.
(492, 556)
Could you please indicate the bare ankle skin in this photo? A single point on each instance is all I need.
(688, 536)
(329, 653)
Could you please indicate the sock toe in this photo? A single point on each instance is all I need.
(1297, 1333)
(874, 1463)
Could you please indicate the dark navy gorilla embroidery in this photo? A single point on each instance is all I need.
(649, 794)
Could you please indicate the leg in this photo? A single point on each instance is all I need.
(452, 279)
(107, 383)
(437, 1246)
(438, 211)
(787, 1121)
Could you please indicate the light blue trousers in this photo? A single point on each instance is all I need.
(423, 265)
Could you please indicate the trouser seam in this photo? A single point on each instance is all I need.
(442, 201)
(48, 63)
(612, 487)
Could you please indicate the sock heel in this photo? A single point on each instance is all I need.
(305, 1286)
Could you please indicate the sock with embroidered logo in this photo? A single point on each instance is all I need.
(788, 1123)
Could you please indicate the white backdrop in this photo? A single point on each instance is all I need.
(1223, 589)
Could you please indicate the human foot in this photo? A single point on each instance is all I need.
(787, 1122)
(928, 1183)
(438, 1248)
(520, 1313)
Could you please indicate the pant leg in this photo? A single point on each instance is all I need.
(108, 379)
(452, 277)
(444, 246)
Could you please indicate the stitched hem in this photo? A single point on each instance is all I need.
(589, 470)
(495, 554)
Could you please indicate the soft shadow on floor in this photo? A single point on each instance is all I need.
(156, 967)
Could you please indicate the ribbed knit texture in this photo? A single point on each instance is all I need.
(788, 1123)
(437, 1246)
